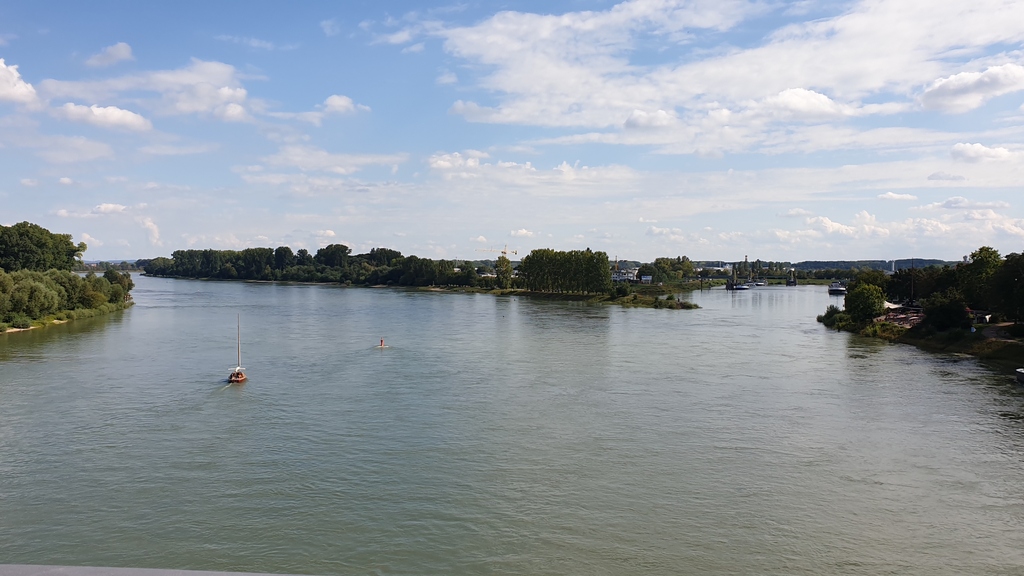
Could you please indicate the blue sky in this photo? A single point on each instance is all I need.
(712, 129)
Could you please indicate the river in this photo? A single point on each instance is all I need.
(500, 435)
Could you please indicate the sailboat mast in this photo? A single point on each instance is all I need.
(238, 319)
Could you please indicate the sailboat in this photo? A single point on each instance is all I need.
(238, 374)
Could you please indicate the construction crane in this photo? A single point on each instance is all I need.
(504, 251)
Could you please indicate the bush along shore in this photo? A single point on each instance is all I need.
(38, 288)
(33, 299)
(972, 308)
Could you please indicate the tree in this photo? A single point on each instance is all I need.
(1007, 287)
(946, 310)
(333, 256)
(27, 246)
(503, 272)
(974, 275)
(864, 302)
(873, 277)
(283, 258)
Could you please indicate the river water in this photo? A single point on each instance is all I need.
(500, 435)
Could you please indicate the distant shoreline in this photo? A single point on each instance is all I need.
(634, 300)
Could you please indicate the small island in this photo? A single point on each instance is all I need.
(38, 287)
(578, 275)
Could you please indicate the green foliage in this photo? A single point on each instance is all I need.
(885, 330)
(575, 271)
(27, 246)
(830, 313)
(864, 302)
(872, 277)
(946, 311)
(503, 272)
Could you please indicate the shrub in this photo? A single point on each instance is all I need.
(21, 322)
(3, 327)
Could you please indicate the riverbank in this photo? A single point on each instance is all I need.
(65, 316)
(1005, 354)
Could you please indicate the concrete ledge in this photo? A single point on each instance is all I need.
(42, 570)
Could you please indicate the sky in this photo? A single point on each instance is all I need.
(715, 129)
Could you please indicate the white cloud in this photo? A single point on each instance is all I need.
(447, 78)
(66, 181)
(981, 153)
(108, 208)
(13, 88)
(414, 49)
(69, 149)
(29, 182)
(895, 196)
(254, 42)
(647, 220)
(522, 233)
(151, 227)
(946, 176)
(5, 39)
(968, 90)
(105, 117)
(334, 104)
(310, 159)
(200, 88)
(796, 213)
(330, 28)
(479, 240)
(90, 241)
(111, 55)
(961, 203)
(171, 150)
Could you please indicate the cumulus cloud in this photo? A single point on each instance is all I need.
(969, 90)
(981, 153)
(201, 87)
(479, 240)
(796, 213)
(66, 181)
(447, 78)
(639, 119)
(13, 88)
(154, 231)
(107, 208)
(895, 196)
(334, 104)
(90, 241)
(105, 117)
(522, 233)
(111, 55)
(29, 182)
(414, 49)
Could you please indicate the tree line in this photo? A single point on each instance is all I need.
(333, 263)
(582, 271)
(36, 281)
(983, 282)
